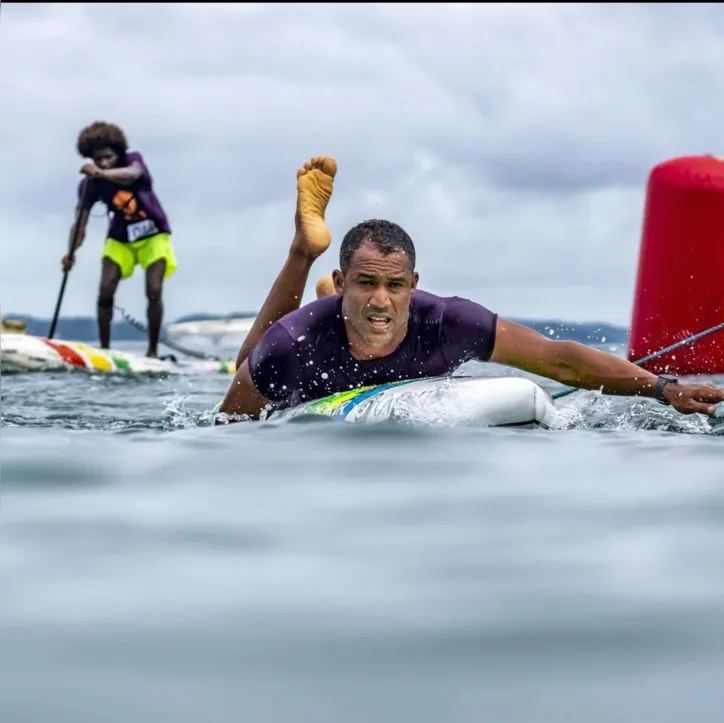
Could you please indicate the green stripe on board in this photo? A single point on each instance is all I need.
(121, 363)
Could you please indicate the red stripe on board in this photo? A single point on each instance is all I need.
(68, 355)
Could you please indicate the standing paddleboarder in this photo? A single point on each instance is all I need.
(139, 232)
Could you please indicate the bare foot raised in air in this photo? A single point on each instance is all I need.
(325, 287)
(314, 189)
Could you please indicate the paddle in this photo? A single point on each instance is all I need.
(171, 345)
(656, 355)
(71, 250)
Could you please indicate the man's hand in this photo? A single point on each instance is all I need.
(67, 262)
(693, 398)
(91, 170)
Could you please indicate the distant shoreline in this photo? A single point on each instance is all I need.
(83, 328)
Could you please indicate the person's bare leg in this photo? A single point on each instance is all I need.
(154, 290)
(315, 180)
(325, 287)
(110, 276)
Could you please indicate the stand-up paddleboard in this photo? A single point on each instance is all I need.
(490, 402)
(24, 353)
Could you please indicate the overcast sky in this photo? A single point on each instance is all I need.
(513, 142)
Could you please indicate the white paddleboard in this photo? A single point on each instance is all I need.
(490, 402)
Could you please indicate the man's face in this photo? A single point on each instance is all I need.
(105, 158)
(376, 292)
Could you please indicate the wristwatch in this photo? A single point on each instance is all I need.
(661, 382)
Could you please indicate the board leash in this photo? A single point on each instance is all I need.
(166, 342)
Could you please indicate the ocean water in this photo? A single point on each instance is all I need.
(155, 568)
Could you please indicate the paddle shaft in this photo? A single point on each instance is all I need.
(658, 354)
(56, 313)
(71, 250)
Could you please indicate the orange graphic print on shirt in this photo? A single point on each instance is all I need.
(125, 203)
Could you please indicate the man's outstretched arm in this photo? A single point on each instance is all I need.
(578, 365)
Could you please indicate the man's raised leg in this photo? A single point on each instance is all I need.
(312, 237)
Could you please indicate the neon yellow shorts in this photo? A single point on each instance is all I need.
(141, 253)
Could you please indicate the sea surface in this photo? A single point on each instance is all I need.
(154, 568)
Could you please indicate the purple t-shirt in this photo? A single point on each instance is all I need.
(305, 355)
(137, 212)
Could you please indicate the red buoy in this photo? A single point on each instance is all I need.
(680, 278)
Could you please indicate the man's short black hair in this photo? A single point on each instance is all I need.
(386, 236)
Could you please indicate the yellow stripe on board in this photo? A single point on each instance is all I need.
(96, 357)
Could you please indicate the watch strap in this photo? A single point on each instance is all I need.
(661, 382)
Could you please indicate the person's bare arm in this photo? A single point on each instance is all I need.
(577, 365)
(270, 372)
(76, 236)
(569, 362)
(242, 397)
(124, 176)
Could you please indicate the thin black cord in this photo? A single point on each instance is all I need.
(170, 344)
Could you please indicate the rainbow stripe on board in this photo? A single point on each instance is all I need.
(342, 403)
(87, 357)
(81, 356)
(66, 353)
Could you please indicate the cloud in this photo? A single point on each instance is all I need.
(512, 141)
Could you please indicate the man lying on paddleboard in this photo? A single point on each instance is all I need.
(139, 233)
(376, 327)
